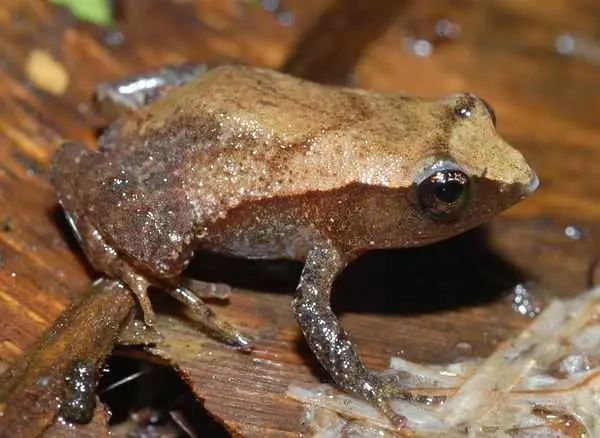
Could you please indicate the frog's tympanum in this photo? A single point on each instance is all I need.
(254, 163)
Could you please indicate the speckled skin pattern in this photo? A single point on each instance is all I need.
(254, 163)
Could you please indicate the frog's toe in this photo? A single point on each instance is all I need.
(383, 394)
(198, 310)
(399, 421)
(203, 314)
(139, 285)
(387, 392)
(399, 393)
(130, 94)
(206, 290)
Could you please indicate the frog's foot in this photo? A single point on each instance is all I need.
(200, 311)
(385, 408)
(105, 259)
(205, 316)
(206, 290)
(131, 94)
(139, 286)
(383, 393)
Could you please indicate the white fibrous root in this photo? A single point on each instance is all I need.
(543, 383)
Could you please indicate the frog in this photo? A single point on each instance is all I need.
(254, 163)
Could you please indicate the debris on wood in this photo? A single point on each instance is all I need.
(544, 382)
(56, 380)
(46, 73)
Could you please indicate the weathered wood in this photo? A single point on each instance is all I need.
(420, 303)
(36, 391)
(328, 51)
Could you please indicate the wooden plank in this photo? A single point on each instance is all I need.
(393, 302)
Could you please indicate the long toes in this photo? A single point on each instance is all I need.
(203, 314)
(389, 392)
(219, 291)
(239, 340)
(226, 332)
(395, 392)
(399, 421)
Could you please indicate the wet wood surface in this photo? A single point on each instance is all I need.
(425, 304)
(64, 364)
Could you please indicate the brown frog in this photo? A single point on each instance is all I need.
(254, 163)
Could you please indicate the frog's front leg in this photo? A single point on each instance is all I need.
(329, 341)
(133, 93)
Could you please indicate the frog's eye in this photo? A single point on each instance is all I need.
(443, 193)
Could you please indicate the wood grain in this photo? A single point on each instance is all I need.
(64, 364)
(419, 303)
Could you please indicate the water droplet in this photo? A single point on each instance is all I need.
(523, 302)
(446, 29)
(270, 5)
(574, 363)
(422, 48)
(286, 18)
(573, 232)
(79, 398)
(418, 46)
(114, 38)
(565, 44)
(463, 349)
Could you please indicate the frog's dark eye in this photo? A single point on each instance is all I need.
(490, 110)
(444, 193)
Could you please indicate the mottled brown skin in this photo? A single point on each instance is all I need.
(255, 163)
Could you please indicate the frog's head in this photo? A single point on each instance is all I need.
(472, 176)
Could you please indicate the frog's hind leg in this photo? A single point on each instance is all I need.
(139, 286)
(197, 308)
(203, 314)
(104, 259)
(133, 93)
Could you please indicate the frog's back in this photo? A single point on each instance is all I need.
(231, 105)
(247, 98)
(238, 132)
